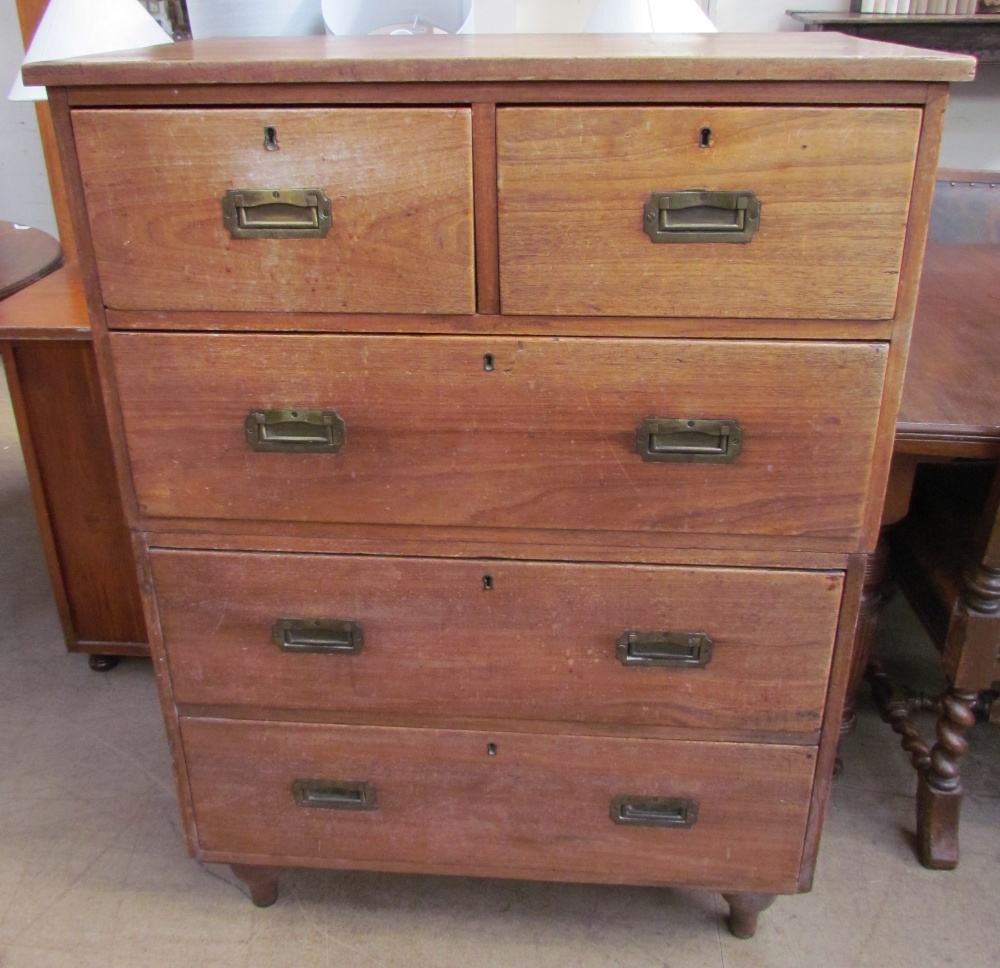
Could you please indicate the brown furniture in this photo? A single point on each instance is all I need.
(945, 553)
(978, 35)
(502, 423)
(52, 378)
(26, 255)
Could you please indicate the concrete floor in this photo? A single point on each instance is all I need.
(93, 870)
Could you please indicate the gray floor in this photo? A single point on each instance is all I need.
(93, 871)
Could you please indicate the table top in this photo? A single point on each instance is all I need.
(26, 254)
(510, 57)
(951, 393)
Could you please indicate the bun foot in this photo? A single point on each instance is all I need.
(743, 912)
(103, 663)
(262, 882)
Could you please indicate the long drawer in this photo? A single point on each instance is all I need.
(658, 436)
(728, 816)
(316, 210)
(584, 191)
(706, 648)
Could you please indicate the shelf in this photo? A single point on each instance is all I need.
(978, 34)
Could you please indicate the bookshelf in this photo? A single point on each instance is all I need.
(978, 34)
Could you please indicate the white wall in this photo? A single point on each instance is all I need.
(24, 188)
(752, 16)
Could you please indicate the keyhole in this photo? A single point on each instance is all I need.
(487, 583)
(488, 362)
(706, 138)
(271, 138)
(491, 749)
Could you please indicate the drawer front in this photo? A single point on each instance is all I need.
(506, 433)
(833, 186)
(539, 806)
(399, 182)
(732, 649)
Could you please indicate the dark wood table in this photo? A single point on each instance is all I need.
(26, 255)
(51, 373)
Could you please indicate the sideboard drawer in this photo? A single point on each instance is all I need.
(508, 433)
(833, 187)
(508, 804)
(398, 182)
(711, 648)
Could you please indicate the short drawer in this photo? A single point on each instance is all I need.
(731, 816)
(706, 648)
(578, 213)
(505, 433)
(397, 184)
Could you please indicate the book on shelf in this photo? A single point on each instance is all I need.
(935, 8)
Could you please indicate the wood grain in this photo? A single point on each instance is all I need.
(951, 392)
(62, 426)
(834, 188)
(544, 440)
(400, 183)
(52, 308)
(538, 645)
(539, 805)
(483, 57)
(529, 91)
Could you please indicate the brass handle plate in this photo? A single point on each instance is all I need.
(295, 431)
(689, 441)
(335, 794)
(671, 650)
(322, 636)
(654, 811)
(701, 216)
(276, 213)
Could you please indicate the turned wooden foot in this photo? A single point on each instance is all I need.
(103, 663)
(743, 912)
(939, 793)
(262, 883)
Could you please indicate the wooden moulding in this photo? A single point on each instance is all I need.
(540, 92)
(495, 324)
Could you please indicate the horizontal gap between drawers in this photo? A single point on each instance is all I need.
(263, 715)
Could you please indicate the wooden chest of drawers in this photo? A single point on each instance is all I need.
(502, 423)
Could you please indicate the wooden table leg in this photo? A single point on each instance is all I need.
(262, 882)
(939, 792)
(744, 910)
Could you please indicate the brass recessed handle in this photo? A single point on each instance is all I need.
(701, 216)
(324, 636)
(671, 650)
(295, 431)
(276, 213)
(689, 440)
(654, 811)
(335, 794)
